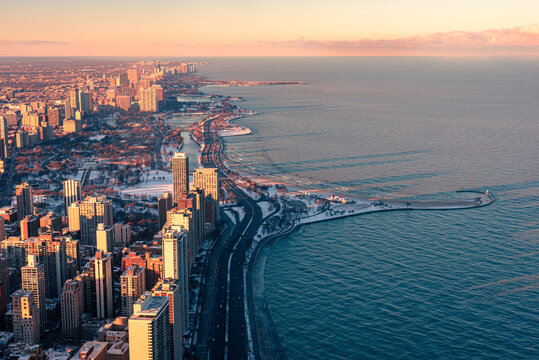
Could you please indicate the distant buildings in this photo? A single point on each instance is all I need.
(148, 101)
(3, 138)
(123, 102)
(149, 334)
(72, 126)
(180, 175)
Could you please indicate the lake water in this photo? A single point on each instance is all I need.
(400, 285)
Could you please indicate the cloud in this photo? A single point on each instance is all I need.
(34, 42)
(523, 38)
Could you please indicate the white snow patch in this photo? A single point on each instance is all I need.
(240, 211)
(97, 137)
(265, 206)
(156, 184)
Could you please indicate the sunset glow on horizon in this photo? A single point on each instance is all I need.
(270, 28)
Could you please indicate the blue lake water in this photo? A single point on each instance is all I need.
(400, 285)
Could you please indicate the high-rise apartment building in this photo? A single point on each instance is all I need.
(208, 180)
(72, 193)
(180, 175)
(132, 76)
(74, 99)
(54, 116)
(2, 229)
(123, 102)
(176, 266)
(171, 289)
(122, 234)
(73, 216)
(29, 227)
(33, 279)
(186, 219)
(51, 223)
(101, 274)
(94, 210)
(3, 138)
(149, 334)
(85, 102)
(4, 289)
(25, 201)
(25, 317)
(68, 111)
(104, 237)
(56, 263)
(164, 204)
(148, 100)
(71, 309)
(133, 284)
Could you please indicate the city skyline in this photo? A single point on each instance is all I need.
(296, 28)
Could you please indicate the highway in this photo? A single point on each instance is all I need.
(222, 333)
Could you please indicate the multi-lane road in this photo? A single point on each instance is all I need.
(223, 330)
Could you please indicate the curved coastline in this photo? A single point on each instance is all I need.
(263, 340)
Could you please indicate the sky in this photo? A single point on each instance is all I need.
(269, 27)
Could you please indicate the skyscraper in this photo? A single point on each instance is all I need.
(186, 219)
(72, 193)
(85, 102)
(133, 284)
(149, 335)
(56, 263)
(74, 99)
(29, 227)
(4, 289)
(2, 229)
(132, 75)
(71, 309)
(164, 204)
(104, 237)
(122, 234)
(123, 102)
(171, 289)
(208, 180)
(180, 175)
(25, 202)
(94, 210)
(54, 117)
(73, 216)
(33, 279)
(68, 110)
(101, 274)
(194, 202)
(176, 266)
(25, 317)
(3, 138)
(148, 100)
